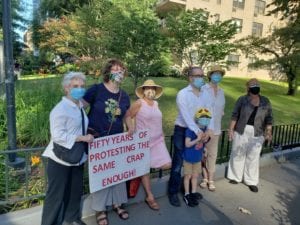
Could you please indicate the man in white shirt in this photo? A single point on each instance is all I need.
(188, 101)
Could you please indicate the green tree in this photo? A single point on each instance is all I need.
(134, 36)
(18, 23)
(282, 46)
(58, 8)
(196, 40)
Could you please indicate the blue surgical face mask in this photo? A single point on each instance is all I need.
(203, 121)
(198, 82)
(216, 77)
(77, 93)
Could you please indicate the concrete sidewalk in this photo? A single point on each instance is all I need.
(277, 202)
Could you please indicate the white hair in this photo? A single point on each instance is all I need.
(70, 76)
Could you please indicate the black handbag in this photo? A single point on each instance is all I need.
(74, 154)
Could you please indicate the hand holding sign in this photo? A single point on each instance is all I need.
(117, 158)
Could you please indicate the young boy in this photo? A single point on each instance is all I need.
(192, 156)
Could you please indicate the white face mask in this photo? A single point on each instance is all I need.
(150, 93)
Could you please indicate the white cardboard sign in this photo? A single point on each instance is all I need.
(116, 158)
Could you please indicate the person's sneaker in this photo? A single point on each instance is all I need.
(233, 182)
(253, 188)
(197, 195)
(190, 201)
(174, 200)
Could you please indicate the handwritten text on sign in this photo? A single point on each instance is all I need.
(116, 158)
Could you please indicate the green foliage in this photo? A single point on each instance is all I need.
(134, 37)
(66, 68)
(17, 22)
(283, 49)
(198, 41)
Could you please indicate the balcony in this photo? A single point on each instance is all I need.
(163, 6)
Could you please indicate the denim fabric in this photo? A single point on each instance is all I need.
(243, 109)
(177, 160)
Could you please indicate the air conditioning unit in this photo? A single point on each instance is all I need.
(233, 9)
(255, 14)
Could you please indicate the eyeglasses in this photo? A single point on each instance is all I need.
(197, 75)
(254, 85)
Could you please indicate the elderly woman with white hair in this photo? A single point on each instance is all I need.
(68, 125)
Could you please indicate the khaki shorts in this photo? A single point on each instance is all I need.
(191, 168)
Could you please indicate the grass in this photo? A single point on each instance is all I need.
(36, 97)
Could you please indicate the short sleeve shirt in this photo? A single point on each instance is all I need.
(194, 153)
(107, 109)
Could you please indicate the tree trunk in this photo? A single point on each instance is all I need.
(291, 87)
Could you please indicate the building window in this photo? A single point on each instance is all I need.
(257, 29)
(217, 17)
(233, 60)
(238, 4)
(251, 60)
(259, 8)
(238, 23)
(194, 57)
(219, 2)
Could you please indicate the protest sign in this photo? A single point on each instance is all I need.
(116, 158)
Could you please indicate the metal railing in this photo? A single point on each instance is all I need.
(29, 183)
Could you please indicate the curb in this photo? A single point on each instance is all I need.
(159, 188)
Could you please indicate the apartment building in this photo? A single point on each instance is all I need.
(249, 15)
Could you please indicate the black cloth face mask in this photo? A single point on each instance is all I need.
(254, 90)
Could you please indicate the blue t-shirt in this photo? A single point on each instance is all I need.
(194, 153)
(106, 108)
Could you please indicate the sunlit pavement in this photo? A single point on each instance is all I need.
(277, 202)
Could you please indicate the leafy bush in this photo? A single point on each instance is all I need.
(66, 68)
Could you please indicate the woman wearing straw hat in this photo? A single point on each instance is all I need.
(215, 97)
(147, 115)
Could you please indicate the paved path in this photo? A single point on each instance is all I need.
(277, 202)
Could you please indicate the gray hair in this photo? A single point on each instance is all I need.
(70, 76)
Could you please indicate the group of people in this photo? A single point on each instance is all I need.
(196, 135)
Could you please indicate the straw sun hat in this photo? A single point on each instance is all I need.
(139, 91)
(216, 68)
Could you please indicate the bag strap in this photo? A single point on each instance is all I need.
(82, 121)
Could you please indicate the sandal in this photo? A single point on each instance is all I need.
(122, 213)
(203, 184)
(101, 218)
(152, 204)
(211, 186)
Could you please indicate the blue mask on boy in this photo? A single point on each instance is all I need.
(77, 93)
(203, 121)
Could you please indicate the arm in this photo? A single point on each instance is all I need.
(269, 122)
(134, 108)
(231, 129)
(183, 109)
(129, 123)
(189, 143)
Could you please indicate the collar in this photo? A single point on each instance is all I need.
(71, 103)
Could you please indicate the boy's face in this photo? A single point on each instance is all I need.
(203, 121)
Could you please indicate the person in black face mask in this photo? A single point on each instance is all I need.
(250, 126)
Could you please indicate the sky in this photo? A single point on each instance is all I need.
(26, 14)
